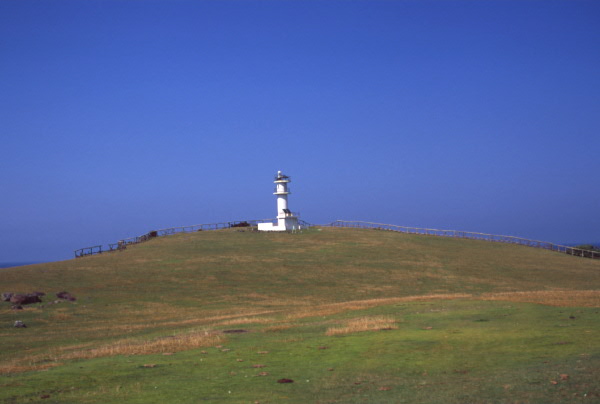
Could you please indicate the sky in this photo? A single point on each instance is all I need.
(118, 117)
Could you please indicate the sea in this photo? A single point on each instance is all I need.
(16, 264)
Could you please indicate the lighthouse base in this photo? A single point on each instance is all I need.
(289, 223)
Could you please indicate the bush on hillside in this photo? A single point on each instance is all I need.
(589, 247)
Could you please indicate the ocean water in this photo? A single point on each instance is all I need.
(15, 264)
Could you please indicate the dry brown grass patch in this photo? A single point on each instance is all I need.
(361, 324)
(279, 327)
(174, 343)
(334, 308)
(560, 298)
(248, 320)
(18, 366)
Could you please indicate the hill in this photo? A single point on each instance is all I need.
(186, 292)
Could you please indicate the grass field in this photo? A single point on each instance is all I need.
(349, 315)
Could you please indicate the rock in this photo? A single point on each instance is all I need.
(66, 296)
(34, 297)
(16, 307)
(25, 299)
(20, 324)
(17, 299)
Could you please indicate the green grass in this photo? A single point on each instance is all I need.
(452, 351)
(452, 344)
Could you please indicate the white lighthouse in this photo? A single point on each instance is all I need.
(285, 218)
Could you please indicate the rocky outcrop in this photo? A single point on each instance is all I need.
(29, 298)
(66, 296)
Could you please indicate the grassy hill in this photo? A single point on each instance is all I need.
(351, 315)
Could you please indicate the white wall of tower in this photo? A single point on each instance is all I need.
(282, 203)
(285, 221)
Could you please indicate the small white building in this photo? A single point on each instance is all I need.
(286, 220)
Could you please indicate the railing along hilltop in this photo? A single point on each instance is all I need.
(470, 235)
(122, 244)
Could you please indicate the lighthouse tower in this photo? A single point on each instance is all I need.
(286, 220)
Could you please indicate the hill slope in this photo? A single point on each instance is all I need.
(328, 265)
(175, 293)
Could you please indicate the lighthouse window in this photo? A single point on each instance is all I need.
(287, 211)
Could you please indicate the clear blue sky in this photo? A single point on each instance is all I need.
(119, 117)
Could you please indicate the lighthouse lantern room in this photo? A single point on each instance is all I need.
(286, 220)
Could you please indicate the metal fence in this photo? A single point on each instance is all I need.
(470, 235)
(252, 224)
(122, 244)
